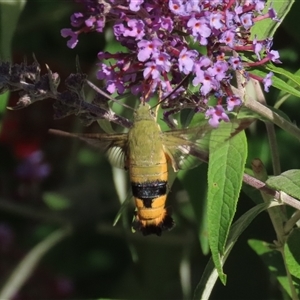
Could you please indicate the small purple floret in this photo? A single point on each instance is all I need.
(215, 115)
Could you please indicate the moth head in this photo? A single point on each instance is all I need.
(144, 112)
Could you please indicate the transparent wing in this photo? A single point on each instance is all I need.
(182, 146)
(115, 145)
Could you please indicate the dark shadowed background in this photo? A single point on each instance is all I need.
(46, 181)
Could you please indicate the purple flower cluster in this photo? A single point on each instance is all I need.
(32, 168)
(168, 40)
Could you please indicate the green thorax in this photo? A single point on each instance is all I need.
(144, 139)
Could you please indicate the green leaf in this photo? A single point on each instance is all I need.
(186, 116)
(279, 83)
(267, 27)
(292, 253)
(273, 261)
(293, 77)
(56, 201)
(28, 264)
(210, 274)
(124, 204)
(87, 157)
(288, 182)
(283, 86)
(9, 16)
(225, 175)
(283, 96)
(197, 195)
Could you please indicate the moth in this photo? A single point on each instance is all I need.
(146, 151)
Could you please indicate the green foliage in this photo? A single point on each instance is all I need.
(267, 27)
(204, 206)
(56, 201)
(281, 84)
(225, 175)
(211, 273)
(292, 255)
(198, 199)
(9, 16)
(274, 262)
(288, 182)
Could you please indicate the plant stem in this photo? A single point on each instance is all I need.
(289, 277)
(279, 196)
(277, 219)
(267, 113)
(273, 148)
(32, 213)
(291, 222)
(275, 212)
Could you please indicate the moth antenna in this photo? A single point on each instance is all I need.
(95, 88)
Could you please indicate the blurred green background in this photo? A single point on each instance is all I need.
(46, 181)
